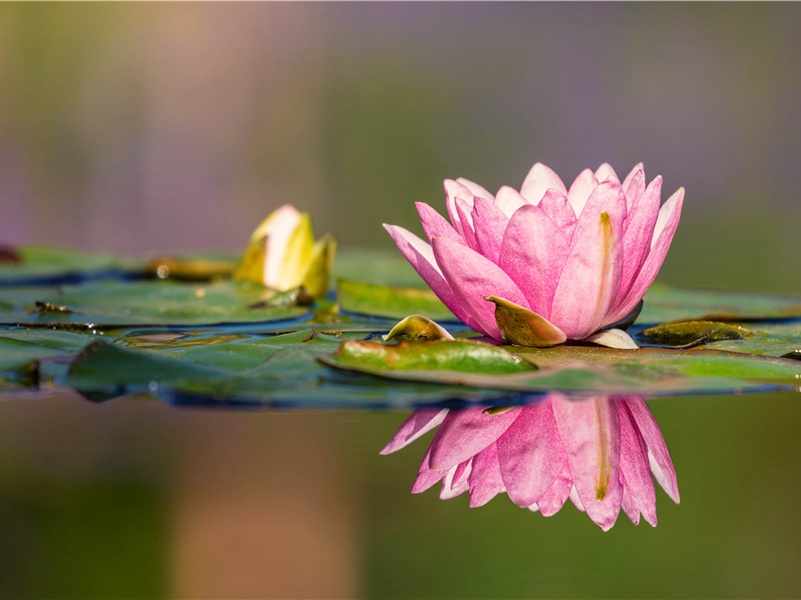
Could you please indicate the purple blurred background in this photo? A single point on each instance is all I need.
(142, 128)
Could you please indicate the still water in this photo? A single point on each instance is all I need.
(133, 498)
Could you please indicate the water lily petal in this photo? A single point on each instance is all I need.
(604, 172)
(531, 454)
(552, 501)
(658, 454)
(589, 281)
(465, 212)
(421, 256)
(628, 505)
(581, 189)
(590, 432)
(556, 206)
(453, 191)
(533, 253)
(467, 432)
(476, 189)
(426, 476)
(490, 224)
(666, 224)
(508, 200)
(523, 327)
(633, 173)
(634, 186)
(485, 477)
(538, 181)
(418, 424)
(456, 482)
(634, 468)
(472, 277)
(613, 338)
(639, 231)
(434, 224)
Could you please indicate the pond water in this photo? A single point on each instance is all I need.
(133, 498)
(259, 491)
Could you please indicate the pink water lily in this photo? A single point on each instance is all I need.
(573, 262)
(600, 452)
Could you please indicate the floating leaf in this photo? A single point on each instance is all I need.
(664, 303)
(585, 369)
(108, 303)
(417, 327)
(686, 333)
(45, 265)
(460, 356)
(391, 302)
(193, 268)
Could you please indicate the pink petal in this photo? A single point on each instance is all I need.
(635, 471)
(531, 454)
(434, 224)
(630, 177)
(539, 180)
(490, 224)
(658, 454)
(475, 189)
(456, 482)
(426, 476)
(466, 432)
(454, 190)
(626, 504)
(465, 212)
(485, 477)
(634, 187)
(533, 254)
(471, 277)
(604, 172)
(639, 231)
(552, 501)
(556, 206)
(581, 189)
(590, 279)
(666, 224)
(418, 424)
(574, 498)
(590, 432)
(606, 197)
(421, 256)
(508, 200)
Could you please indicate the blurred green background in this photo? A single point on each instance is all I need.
(144, 128)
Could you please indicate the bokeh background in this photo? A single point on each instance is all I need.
(153, 127)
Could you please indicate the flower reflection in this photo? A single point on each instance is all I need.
(600, 452)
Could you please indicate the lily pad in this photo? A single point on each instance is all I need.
(664, 304)
(32, 265)
(114, 303)
(392, 302)
(277, 370)
(588, 370)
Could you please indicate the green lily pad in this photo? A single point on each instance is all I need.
(588, 370)
(459, 356)
(686, 333)
(43, 264)
(113, 303)
(276, 370)
(664, 304)
(391, 302)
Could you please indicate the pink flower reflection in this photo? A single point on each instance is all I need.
(600, 452)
